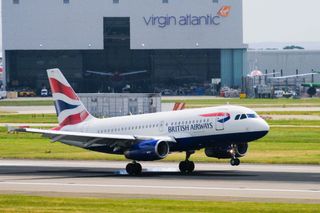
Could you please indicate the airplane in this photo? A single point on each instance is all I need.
(224, 131)
(116, 75)
(312, 86)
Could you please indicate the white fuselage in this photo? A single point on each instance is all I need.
(179, 124)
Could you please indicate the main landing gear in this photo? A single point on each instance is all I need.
(134, 168)
(234, 160)
(187, 166)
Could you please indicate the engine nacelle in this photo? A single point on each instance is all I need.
(225, 151)
(148, 150)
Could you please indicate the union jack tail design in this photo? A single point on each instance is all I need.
(179, 106)
(70, 110)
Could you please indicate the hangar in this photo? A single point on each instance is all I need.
(177, 43)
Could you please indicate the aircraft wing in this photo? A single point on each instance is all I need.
(90, 139)
(100, 73)
(132, 73)
(293, 76)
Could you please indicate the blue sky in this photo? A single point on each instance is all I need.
(278, 21)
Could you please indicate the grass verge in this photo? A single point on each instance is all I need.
(20, 203)
(26, 103)
(29, 118)
(295, 122)
(281, 146)
(313, 113)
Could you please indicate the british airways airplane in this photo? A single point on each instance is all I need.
(224, 132)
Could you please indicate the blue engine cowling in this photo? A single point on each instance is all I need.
(148, 150)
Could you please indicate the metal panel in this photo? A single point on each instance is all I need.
(120, 104)
(233, 67)
(226, 68)
(289, 61)
(52, 25)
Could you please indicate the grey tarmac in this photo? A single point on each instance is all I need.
(265, 183)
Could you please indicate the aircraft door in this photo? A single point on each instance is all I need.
(161, 126)
(218, 123)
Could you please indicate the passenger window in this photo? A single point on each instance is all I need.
(243, 116)
(237, 117)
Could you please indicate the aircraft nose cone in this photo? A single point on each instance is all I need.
(264, 126)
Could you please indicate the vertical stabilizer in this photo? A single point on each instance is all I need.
(70, 110)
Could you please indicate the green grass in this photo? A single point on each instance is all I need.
(280, 146)
(29, 118)
(20, 203)
(192, 103)
(26, 103)
(295, 122)
(313, 113)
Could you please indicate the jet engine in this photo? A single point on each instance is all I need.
(227, 151)
(148, 150)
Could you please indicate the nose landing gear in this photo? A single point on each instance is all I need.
(187, 166)
(234, 160)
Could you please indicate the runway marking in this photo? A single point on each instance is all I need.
(163, 187)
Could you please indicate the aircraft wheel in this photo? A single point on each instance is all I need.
(235, 162)
(134, 168)
(190, 166)
(186, 167)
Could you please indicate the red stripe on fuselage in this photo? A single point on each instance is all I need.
(58, 87)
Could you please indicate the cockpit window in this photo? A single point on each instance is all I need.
(252, 116)
(243, 116)
(237, 117)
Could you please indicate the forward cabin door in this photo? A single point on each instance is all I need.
(219, 125)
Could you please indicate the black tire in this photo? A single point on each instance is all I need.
(130, 168)
(138, 168)
(237, 161)
(183, 167)
(190, 166)
(134, 168)
(186, 167)
(232, 162)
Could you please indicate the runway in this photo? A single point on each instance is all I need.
(279, 183)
